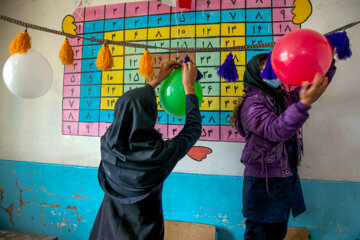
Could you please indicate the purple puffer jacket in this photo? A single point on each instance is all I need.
(264, 154)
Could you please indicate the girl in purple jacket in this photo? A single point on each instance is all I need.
(270, 120)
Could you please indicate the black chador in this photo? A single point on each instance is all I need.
(135, 161)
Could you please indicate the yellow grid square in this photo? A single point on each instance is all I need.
(108, 103)
(183, 31)
(233, 29)
(111, 90)
(208, 30)
(210, 103)
(158, 33)
(135, 35)
(112, 77)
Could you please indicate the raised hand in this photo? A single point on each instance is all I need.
(189, 73)
(309, 94)
(165, 69)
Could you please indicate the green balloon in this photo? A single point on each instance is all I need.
(172, 94)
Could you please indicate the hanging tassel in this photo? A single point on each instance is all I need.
(199, 74)
(66, 53)
(268, 72)
(228, 69)
(185, 4)
(340, 42)
(104, 60)
(21, 43)
(146, 66)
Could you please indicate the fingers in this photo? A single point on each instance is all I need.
(173, 67)
(325, 82)
(184, 66)
(304, 87)
(174, 63)
(323, 85)
(188, 66)
(318, 83)
(319, 80)
(191, 65)
(309, 94)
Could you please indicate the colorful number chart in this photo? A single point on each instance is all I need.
(89, 95)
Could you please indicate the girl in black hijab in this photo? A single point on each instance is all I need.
(135, 160)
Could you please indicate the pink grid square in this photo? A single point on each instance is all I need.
(231, 4)
(72, 79)
(135, 9)
(70, 115)
(71, 103)
(114, 11)
(156, 7)
(69, 128)
(88, 129)
(94, 13)
(71, 91)
(228, 134)
(258, 4)
(76, 67)
(210, 133)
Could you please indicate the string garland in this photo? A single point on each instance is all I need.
(145, 46)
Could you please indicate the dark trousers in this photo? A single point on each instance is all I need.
(265, 231)
(138, 221)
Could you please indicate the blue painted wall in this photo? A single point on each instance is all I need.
(63, 201)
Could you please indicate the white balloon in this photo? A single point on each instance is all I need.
(28, 75)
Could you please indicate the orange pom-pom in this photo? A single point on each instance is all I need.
(66, 53)
(146, 67)
(104, 60)
(21, 43)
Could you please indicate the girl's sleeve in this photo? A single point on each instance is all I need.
(258, 118)
(191, 132)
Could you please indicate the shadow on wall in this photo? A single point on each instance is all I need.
(224, 233)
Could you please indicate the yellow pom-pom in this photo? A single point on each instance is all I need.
(104, 60)
(146, 67)
(66, 53)
(21, 43)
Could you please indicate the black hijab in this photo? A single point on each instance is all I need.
(133, 159)
(132, 130)
(252, 79)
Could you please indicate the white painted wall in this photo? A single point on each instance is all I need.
(31, 129)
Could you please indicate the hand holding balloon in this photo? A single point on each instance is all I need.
(174, 89)
(165, 70)
(189, 73)
(309, 94)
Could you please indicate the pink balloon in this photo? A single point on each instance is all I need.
(299, 55)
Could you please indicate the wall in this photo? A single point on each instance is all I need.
(333, 118)
(63, 200)
(31, 132)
